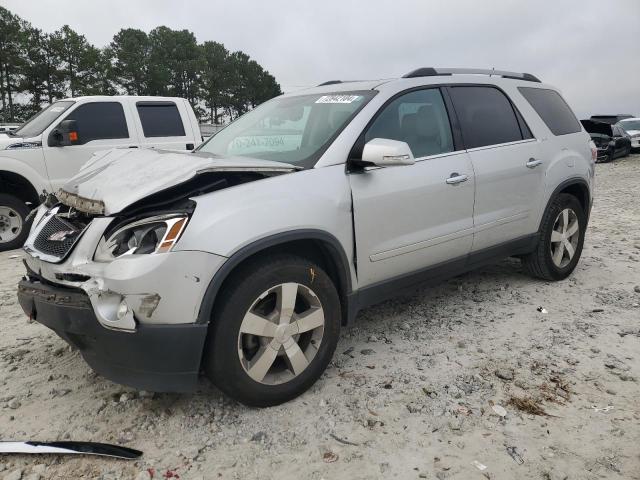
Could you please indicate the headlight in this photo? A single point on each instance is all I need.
(151, 235)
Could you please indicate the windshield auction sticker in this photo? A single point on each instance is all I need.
(338, 98)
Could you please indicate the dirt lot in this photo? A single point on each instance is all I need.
(410, 393)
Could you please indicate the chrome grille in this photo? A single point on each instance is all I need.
(68, 234)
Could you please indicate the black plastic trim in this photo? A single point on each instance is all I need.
(160, 358)
(433, 72)
(338, 256)
(567, 183)
(384, 290)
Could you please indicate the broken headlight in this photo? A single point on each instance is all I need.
(151, 235)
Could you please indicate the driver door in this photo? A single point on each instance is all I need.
(409, 218)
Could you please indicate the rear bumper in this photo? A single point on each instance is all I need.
(159, 358)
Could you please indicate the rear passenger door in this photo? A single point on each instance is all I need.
(162, 124)
(507, 163)
(408, 218)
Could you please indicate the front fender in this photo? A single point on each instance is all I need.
(225, 221)
(32, 169)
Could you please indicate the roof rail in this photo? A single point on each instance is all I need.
(432, 72)
(330, 82)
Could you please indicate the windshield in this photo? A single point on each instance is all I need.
(630, 125)
(295, 130)
(41, 120)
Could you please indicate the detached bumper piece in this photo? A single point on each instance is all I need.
(157, 358)
(78, 448)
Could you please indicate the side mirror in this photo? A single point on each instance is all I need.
(64, 135)
(383, 152)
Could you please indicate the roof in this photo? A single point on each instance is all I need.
(111, 97)
(425, 76)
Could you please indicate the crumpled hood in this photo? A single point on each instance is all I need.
(114, 179)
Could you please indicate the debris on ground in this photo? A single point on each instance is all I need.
(513, 453)
(527, 405)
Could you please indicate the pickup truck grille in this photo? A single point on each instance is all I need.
(57, 237)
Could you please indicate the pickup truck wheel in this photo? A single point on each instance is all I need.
(561, 239)
(14, 229)
(274, 332)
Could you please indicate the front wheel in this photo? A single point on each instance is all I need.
(561, 239)
(14, 228)
(274, 332)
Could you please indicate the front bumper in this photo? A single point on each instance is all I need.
(603, 153)
(157, 358)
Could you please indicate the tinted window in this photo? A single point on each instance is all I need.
(160, 119)
(553, 110)
(486, 116)
(418, 118)
(99, 121)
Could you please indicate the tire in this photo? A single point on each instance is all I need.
(230, 354)
(542, 263)
(14, 228)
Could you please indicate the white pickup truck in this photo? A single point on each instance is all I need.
(51, 147)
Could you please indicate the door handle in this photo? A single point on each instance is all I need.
(456, 178)
(533, 163)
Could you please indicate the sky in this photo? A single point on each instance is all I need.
(590, 49)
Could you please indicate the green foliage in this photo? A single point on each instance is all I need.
(37, 68)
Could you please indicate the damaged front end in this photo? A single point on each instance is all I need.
(102, 271)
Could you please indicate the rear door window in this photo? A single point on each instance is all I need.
(99, 121)
(418, 118)
(553, 110)
(486, 116)
(160, 119)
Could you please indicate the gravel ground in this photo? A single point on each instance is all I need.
(465, 380)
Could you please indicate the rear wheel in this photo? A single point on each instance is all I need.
(14, 228)
(561, 240)
(274, 331)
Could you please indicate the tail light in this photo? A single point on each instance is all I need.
(594, 151)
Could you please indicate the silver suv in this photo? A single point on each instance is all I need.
(244, 258)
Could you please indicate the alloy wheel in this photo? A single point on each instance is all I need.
(281, 333)
(564, 237)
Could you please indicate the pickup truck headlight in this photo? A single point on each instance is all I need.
(148, 236)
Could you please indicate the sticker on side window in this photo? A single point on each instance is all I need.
(338, 98)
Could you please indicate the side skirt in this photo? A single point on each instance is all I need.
(432, 275)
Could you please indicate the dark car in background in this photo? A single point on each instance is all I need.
(611, 140)
(610, 119)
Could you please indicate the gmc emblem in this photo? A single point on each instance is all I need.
(61, 236)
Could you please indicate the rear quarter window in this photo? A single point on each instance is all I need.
(553, 110)
(160, 119)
